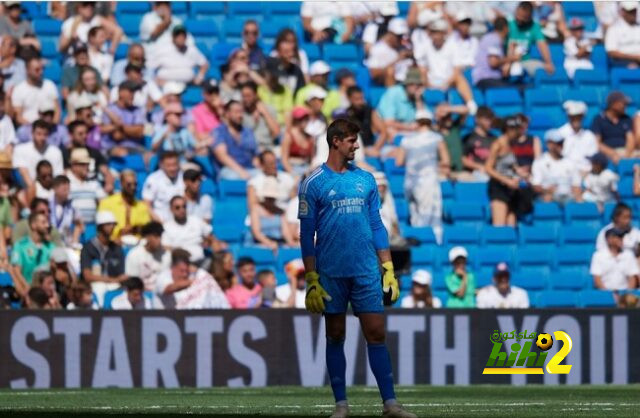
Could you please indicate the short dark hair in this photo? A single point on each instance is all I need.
(60, 180)
(500, 24)
(264, 154)
(341, 128)
(174, 198)
(33, 216)
(94, 30)
(133, 283)
(263, 273)
(43, 163)
(244, 261)
(526, 5)
(2, 95)
(484, 112)
(249, 85)
(352, 90)
(618, 209)
(179, 255)
(152, 228)
(38, 296)
(230, 103)
(132, 67)
(168, 154)
(40, 124)
(191, 174)
(37, 201)
(73, 125)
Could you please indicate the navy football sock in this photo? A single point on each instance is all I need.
(337, 366)
(380, 364)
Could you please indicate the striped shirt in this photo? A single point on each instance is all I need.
(84, 197)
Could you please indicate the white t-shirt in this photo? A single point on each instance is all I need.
(547, 171)
(29, 97)
(82, 31)
(202, 209)
(102, 62)
(578, 146)
(284, 291)
(173, 65)
(150, 91)
(614, 270)
(623, 37)
(204, 293)
(629, 241)
(439, 62)
(159, 190)
(324, 13)
(571, 61)
(189, 236)
(286, 184)
(121, 303)
(490, 298)
(467, 49)
(381, 55)
(26, 155)
(150, 21)
(601, 187)
(409, 302)
(7, 132)
(421, 150)
(141, 263)
(388, 212)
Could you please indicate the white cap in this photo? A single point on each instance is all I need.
(380, 178)
(47, 105)
(427, 16)
(316, 93)
(422, 277)
(82, 102)
(439, 25)
(398, 26)
(456, 252)
(173, 87)
(319, 67)
(105, 217)
(462, 15)
(424, 114)
(388, 8)
(553, 135)
(269, 188)
(59, 255)
(628, 5)
(575, 107)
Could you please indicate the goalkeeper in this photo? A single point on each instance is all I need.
(339, 204)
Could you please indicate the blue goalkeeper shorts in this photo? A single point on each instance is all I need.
(364, 293)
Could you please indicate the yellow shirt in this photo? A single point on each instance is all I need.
(115, 204)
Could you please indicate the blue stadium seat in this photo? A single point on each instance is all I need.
(206, 9)
(424, 257)
(574, 258)
(233, 188)
(505, 101)
(208, 187)
(269, 30)
(585, 213)
(280, 8)
(597, 299)
(625, 188)
(220, 52)
(483, 276)
(132, 7)
(245, 9)
(30, 10)
(475, 192)
(130, 24)
(230, 211)
(232, 234)
(203, 29)
(540, 256)
(608, 211)
(233, 30)
(571, 280)
(341, 54)
(456, 99)
(538, 234)
(313, 51)
(578, 8)
(206, 166)
(544, 98)
(461, 235)
(543, 120)
(88, 233)
(625, 166)
(49, 49)
(192, 96)
(557, 299)
(402, 210)
(591, 78)
(624, 77)
(423, 234)
(121, 51)
(433, 97)
(285, 255)
(571, 234)
(52, 72)
(47, 27)
(446, 188)
(466, 214)
(499, 236)
(263, 257)
(490, 257)
(531, 278)
(390, 167)
(396, 185)
(558, 78)
(375, 94)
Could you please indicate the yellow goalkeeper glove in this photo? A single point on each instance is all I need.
(316, 295)
(390, 288)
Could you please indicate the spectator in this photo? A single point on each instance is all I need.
(461, 283)
(147, 94)
(63, 273)
(173, 136)
(157, 25)
(198, 203)
(43, 279)
(28, 95)
(501, 295)
(131, 214)
(30, 252)
(524, 32)
(423, 13)
(71, 71)
(554, 178)
(267, 222)
(98, 168)
(613, 128)
(476, 145)
(620, 220)
(22, 229)
(82, 297)
(577, 48)
(123, 124)
(44, 182)
(399, 103)
(101, 259)
(614, 267)
(390, 58)
(420, 153)
(261, 118)
(601, 184)
(527, 147)
(234, 147)
(7, 131)
(388, 212)
(175, 61)
(207, 114)
(58, 133)
(233, 74)
(552, 21)
(12, 68)
(319, 78)
(376, 26)
(135, 57)
(37, 298)
(628, 300)
(76, 27)
(188, 287)
(622, 39)
(345, 78)
(298, 146)
(267, 281)
(421, 296)
(247, 293)
(87, 89)
(269, 169)
(293, 293)
(21, 30)
(369, 120)
(275, 94)
(162, 185)
(133, 297)
(100, 60)
(63, 215)
(509, 193)
(579, 143)
(450, 121)
(191, 233)
(285, 64)
(27, 156)
(438, 57)
(329, 21)
(222, 269)
(492, 67)
(250, 43)
(85, 193)
(149, 258)
(463, 40)
(300, 57)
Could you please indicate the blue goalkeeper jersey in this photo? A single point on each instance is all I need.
(342, 205)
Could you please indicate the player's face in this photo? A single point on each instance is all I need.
(347, 147)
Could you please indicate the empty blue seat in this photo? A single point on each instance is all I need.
(582, 213)
(570, 280)
(538, 234)
(220, 52)
(262, 256)
(590, 95)
(233, 30)
(280, 8)
(375, 94)
(544, 97)
(337, 54)
(466, 213)
(446, 188)
(202, 28)
(597, 299)
(232, 234)
(230, 211)
(208, 187)
(130, 24)
(574, 258)
(541, 256)
(608, 211)
(624, 77)
(206, 9)
(47, 27)
(490, 257)
(313, 51)
(593, 78)
(396, 185)
(578, 8)
(559, 77)
(541, 120)
(192, 96)
(557, 299)
(233, 188)
(461, 235)
(545, 212)
(433, 97)
(571, 234)
(423, 234)
(179, 9)
(132, 7)
(424, 256)
(625, 188)
(402, 210)
(89, 232)
(245, 9)
(204, 162)
(49, 49)
(52, 72)
(531, 278)
(269, 30)
(505, 101)
(625, 166)
(475, 192)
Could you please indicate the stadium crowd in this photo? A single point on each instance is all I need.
(139, 169)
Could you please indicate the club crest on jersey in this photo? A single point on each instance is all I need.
(359, 187)
(303, 207)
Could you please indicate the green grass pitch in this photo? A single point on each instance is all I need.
(426, 401)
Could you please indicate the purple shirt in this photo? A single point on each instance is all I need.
(58, 138)
(241, 151)
(131, 116)
(482, 70)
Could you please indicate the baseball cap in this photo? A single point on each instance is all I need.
(299, 112)
(210, 86)
(599, 158)
(576, 23)
(617, 96)
(388, 8)
(191, 174)
(398, 26)
(80, 156)
(105, 217)
(422, 277)
(424, 114)
(413, 77)
(316, 93)
(614, 232)
(553, 135)
(179, 29)
(319, 68)
(46, 105)
(501, 268)
(439, 25)
(575, 107)
(628, 5)
(462, 15)
(457, 252)
(79, 47)
(59, 255)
